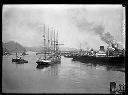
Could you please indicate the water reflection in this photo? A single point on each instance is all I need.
(115, 68)
(54, 69)
(107, 67)
(41, 66)
(69, 76)
(18, 63)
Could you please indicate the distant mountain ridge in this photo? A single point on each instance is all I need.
(12, 47)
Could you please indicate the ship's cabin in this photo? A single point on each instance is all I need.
(101, 54)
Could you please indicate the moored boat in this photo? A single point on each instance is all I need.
(51, 51)
(43, 62)
(103, 60)
(101, 57)
(19, 59)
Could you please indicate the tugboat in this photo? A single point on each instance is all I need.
(19, 59)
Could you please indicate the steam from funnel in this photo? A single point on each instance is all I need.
(80, 18)
(84, 25)
(98, 29)
(107, 37)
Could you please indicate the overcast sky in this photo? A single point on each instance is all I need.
(75, 24)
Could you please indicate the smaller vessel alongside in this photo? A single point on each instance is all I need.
(56, 54)
(56, 59)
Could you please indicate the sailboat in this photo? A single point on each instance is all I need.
(19, 59)
(52, 54)
(45, 60)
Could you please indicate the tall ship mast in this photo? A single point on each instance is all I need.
(54, 42)
(44, 44)
(45, 60)
(48, 41)
(51, 55)
(57, 42)
(51, 41)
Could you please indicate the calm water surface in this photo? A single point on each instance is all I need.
(67, 77)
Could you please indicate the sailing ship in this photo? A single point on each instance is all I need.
(51, 53)
(45, 60)
(56, 57)
(113, 55)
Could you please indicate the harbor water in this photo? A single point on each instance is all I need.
(67, 77)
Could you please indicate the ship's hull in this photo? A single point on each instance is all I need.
(102, 60)
(40, 66)
(24, 54)
(43, 62)
(19, 60)
(49, 61)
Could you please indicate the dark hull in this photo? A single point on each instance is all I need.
(42, 63)
(41, 66)
(24, 54)
(19, 60)
(102, 60)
